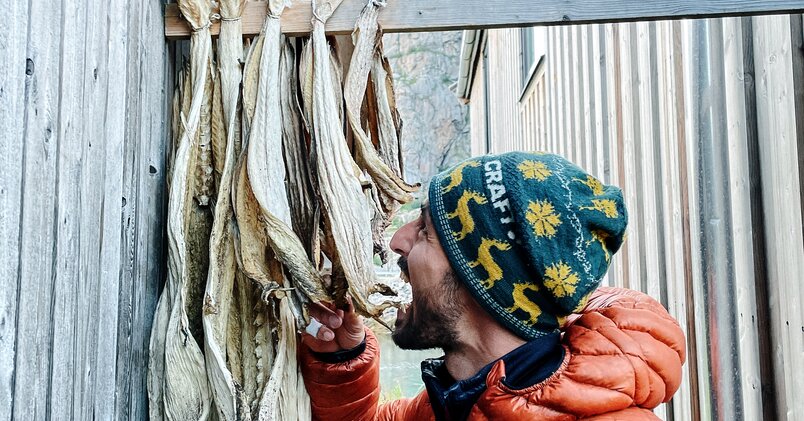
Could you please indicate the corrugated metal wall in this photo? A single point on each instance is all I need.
(701, 122)
(82, 174)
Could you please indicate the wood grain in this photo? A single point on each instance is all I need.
(12, 129)
(711, 165)
(778, 152)
(40, 216)
(82, 112)
(429, 15)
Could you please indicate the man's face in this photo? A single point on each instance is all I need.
(430, 321)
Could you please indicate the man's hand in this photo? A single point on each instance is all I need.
(341, 330)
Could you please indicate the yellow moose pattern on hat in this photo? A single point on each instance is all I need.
(522, 302)
(463, 214)
(456, 176)
(486, 261)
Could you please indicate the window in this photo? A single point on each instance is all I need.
(534, 47)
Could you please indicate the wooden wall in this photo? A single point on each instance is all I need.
(82, 198)
(701, 122)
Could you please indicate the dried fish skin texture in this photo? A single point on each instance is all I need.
(294, 144)
(366, 37)
(344, 203)
(230, 400)
(266, 170)
(180, 391)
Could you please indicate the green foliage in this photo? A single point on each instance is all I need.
(391, 394)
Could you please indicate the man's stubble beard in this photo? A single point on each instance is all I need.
(433, 317)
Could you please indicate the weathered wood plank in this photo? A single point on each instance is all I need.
(588, 92)
(39, 215)
(629, 84)
(109, 256)
(574, 100)
(778, 147)
(428, 15)
(12, 111)
(550, 88)
(653, 273)
(738, 114)
(129, 213)
(149, 83)
(88, 315)
(71, 134)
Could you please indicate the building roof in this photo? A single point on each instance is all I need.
(470, 52)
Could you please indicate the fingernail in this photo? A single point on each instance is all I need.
(313, 327)
(334, 320)
(328, 336)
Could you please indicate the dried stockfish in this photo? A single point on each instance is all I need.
(266, 170)
(184, 100)
(344, 203)
(251, 246)
(300, 190)
(306, 85)
(366, 37)
(262, 195)
(253, 257)
(184, 393)
(226, 390)
(385, 126)
(252, 347)
(156, 360)
(251, 79)
(388, 122)
(218, 137)
(285, 397)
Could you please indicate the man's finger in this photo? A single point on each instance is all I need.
(325, 315)
(325, 334)
(318, 345)
(314, 326)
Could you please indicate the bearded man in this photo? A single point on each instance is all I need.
(504, 263)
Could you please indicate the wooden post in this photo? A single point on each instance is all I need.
(439, 15)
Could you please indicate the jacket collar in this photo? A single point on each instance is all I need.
(525, 366)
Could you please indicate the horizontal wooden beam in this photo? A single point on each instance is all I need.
(440, 15)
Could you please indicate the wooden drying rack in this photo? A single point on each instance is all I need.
(440, 15)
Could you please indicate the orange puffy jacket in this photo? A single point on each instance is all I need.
(624, 357)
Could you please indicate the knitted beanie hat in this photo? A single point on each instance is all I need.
(529, 234)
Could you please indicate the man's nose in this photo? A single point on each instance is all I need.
(403, 239)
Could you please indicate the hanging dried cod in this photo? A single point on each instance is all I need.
(366, 38)
(300, 191)
(178, 388)
(345, 208)
(252, 254)
(287, 203)
(384, 167)
(227, 390)
(266, 173)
